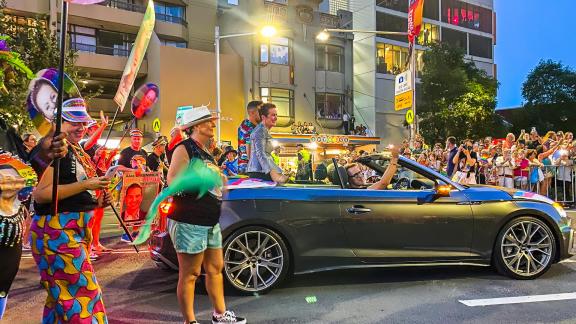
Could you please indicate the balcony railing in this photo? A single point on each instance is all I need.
(87, 48)
(134, 7)
(171, 19)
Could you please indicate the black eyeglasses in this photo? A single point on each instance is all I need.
(355, 174)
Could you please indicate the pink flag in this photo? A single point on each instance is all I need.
(85, 2)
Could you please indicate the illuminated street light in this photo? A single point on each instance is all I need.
(266, 31)
(323, 36)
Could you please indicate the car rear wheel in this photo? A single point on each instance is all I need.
(256, 260)
(525, 248)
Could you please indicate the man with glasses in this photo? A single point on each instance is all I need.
(356, 174)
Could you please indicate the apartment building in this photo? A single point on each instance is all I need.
(470, 25)
(309, 81)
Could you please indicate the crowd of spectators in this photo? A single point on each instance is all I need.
(542, 164)
(301, 128)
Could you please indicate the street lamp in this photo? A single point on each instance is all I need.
(266, 31)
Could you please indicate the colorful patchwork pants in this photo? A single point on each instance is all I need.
(60, 248)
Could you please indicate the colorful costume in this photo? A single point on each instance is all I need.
(244, 132)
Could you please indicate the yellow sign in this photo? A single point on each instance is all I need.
(403, 100)
(156, 125)
(410, 117)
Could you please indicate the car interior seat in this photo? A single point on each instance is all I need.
(341, 176)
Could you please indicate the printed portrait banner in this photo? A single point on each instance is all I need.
(136, 56)
(415, 18)
(137, 194)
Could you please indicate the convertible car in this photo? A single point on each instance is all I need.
(422, 219)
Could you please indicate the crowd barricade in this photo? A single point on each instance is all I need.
(556, 182)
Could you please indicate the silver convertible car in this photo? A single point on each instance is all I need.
(422, 219)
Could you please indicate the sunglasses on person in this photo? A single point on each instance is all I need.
(355, 174)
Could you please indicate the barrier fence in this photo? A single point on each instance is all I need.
(556, 182)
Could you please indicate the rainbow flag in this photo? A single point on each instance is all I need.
(136, 56)
(415, 18)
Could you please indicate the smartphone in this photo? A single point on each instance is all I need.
(111, 171)
(533, 129)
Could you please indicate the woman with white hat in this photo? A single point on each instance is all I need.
(193, 224)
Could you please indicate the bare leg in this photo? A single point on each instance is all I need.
(98, 215)
(213, 265)
(189, 270)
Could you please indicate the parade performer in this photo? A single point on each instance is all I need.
(60, 242)
(244, 131)
(193, 224)
(261, 165)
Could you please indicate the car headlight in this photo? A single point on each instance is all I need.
(561, 211)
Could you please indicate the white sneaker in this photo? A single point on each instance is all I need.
(226, 318)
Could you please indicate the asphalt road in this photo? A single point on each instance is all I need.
(137, 292)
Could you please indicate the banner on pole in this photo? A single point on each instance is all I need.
(403, 90)
(136, 56)
(415, 18)
(139, 189)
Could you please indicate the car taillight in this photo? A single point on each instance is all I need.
(166, 207)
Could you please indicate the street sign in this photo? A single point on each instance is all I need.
(403, 91)
(156, 125)
(410, 117)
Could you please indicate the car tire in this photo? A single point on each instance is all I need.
(255, 252)
(525, 248)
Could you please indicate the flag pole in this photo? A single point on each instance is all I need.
(414, 128)
(60, 100)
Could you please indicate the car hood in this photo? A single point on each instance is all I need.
(510, 193)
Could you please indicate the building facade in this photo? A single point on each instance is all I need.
(470, 25)
(308, 80)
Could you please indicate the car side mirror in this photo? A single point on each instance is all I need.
(443, 190)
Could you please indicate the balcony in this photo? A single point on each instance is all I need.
(134, 7)
(171, 19)
(87, 48)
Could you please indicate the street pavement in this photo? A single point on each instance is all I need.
(135, 291)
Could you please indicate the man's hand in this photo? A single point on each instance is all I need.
(105, 199)
(278, 177)
(395, 150)
(54, 147)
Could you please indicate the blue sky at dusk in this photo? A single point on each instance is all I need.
(528, 31)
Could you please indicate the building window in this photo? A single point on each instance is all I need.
(329, 106)
(391, 59)
(428, 34)
(391, 23)
(467, 15)
(398, 5)
(178, 44)
(455, 38)
(282, 98)
(329, 58)
(432, 9)
(83, 39)
(277, 51)
(233, 2)
(170, 13)
(480, 46)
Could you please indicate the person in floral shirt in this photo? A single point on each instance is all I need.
(244, 131)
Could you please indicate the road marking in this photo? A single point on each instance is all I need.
(517, 300)
(568, 261)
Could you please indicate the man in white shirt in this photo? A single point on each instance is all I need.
(564, 176)
(505, 166)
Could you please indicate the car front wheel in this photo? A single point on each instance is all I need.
(525, 248)
(256, 260)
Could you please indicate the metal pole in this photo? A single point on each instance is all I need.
(218, 110)
(414, 128)
(58, 120)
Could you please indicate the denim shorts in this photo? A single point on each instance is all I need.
(194, 239)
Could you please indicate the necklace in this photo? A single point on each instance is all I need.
(84, 160)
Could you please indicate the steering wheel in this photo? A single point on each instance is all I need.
(402, 184)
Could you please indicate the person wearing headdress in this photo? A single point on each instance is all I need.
(193, 224)
(60, 242)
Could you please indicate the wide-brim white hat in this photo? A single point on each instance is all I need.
(196, 116)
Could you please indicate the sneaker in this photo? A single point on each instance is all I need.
(26, 247)
(124, 238)
(93, 256)
(227, 317)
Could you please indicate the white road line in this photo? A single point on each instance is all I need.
(517, 300)
(568, 261)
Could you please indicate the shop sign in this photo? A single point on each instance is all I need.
(330, 139)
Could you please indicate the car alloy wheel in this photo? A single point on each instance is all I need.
(255, 260)
(527, 248)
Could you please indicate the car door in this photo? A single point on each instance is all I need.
(392, 226)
